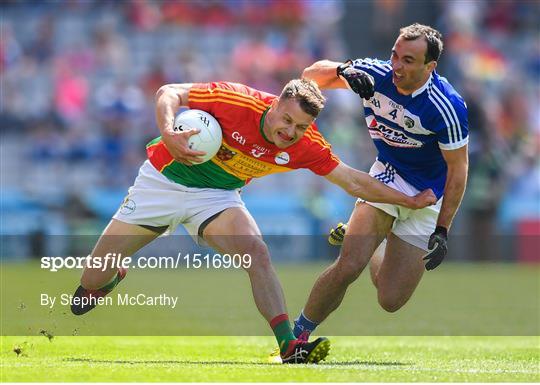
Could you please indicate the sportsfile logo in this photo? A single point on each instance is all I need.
(116, 261)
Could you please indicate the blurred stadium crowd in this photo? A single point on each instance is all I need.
(78, 81)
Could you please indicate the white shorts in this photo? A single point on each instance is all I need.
(156, 201)
(412, 226)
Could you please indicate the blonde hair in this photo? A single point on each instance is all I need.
(307, 93)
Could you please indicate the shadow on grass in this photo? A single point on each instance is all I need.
(187, 362)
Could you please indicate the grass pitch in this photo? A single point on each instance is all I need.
(459, 300)
(243, 359)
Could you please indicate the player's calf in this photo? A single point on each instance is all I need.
(392, 297)
(376, 261)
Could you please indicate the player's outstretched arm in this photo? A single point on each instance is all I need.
(169, 98)
(324, 74)
(362, 185)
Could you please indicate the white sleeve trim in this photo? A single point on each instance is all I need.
(454, 146)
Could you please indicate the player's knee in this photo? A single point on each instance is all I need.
(259, 254)
(390, 307)
(390, 304)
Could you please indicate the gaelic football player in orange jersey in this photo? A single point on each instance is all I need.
(262, 134)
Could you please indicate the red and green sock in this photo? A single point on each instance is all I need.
(283, 331)
(109, 286)
(112, 284)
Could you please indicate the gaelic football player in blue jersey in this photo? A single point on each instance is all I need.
(418, 122)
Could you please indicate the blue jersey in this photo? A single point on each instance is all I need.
(409, 131)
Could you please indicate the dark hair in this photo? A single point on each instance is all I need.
(307, 93)
(432, 36)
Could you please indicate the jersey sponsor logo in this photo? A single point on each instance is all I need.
(391, 136)
(394, 105)
(224, 154)
(257, 154)
(239, 138)
(259, 151)
(244, 165)
(282, 158)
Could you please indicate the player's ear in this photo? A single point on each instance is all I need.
(432, 65)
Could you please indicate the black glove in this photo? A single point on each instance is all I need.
(358, 81)
(437, 245)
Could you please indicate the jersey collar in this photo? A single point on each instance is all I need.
(423, 88)
(261, 124)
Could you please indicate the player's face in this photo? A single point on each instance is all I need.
(286, 122)
(410, 71)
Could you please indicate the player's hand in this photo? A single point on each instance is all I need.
(177, 144)
(357, 80)
(438, 246)
(338, 234)
(423, 199)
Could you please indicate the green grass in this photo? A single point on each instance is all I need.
(242, 359)
(456, 323)
(456, 299)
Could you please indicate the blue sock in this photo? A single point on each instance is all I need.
(302, 324)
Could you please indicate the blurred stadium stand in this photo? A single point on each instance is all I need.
(78, 80)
